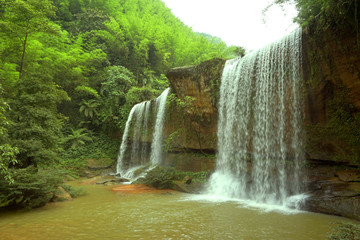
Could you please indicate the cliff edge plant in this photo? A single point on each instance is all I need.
(336, 13)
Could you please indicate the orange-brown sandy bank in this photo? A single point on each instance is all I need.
(139, 188)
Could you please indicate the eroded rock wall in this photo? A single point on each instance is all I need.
(331, 65)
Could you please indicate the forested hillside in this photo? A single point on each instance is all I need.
(70, 71)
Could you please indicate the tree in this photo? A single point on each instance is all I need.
(89, 108)
(337, 11)
(36, 124)
(113, 91)
(7, 152)
(24, 18)
(76, 138)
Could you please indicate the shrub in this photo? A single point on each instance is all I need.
(161, 178)
(101, 147)
(195, 176)
(31, 188)
(345, 231)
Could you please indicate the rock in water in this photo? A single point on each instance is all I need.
(61, 195)
(187, 180)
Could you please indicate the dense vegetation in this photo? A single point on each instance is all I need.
(71, 70)
(326, 12)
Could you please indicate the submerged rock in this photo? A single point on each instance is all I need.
(194, 187)
(114, 180)
(61, 195)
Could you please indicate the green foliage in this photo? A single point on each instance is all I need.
(181, 105)
(76, 138)
(89, 108)
(89, 20)
(7, 152)
(169, 141)
(74, 191)
(101, 147)
(31, 188)
(118, 81)
(345, 231)
(113, 92)
(85, 91)
(140, 94)
(7, 157)
(345, 122)
(195, 176)
(236, 51)
(22, 19)
(338, 12)
(162, 178)
(36, 124)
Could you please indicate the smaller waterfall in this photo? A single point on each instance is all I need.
(144, 148)
(155, 157)
(125, 169)
(137, 126)
(123, 146)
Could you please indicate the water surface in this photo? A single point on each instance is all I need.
(104, 214)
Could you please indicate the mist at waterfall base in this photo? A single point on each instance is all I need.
(260, 135)
(128, 168)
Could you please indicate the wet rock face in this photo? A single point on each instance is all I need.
(331, 68)
(334, 191)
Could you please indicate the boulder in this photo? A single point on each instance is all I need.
(99, 164)
(61, 195)
(187, 180)
(334, 194)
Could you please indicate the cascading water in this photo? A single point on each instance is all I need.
(260, 142)
(144, 148)
(139, 146)
(155, 157)
(126, 170)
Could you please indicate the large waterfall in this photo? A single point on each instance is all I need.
(138, 121)
(260, 142)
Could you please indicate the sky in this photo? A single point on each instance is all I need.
(236, 22)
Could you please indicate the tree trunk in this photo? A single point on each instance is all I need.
(23, 56)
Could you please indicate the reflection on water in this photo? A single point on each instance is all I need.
(104, 214)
